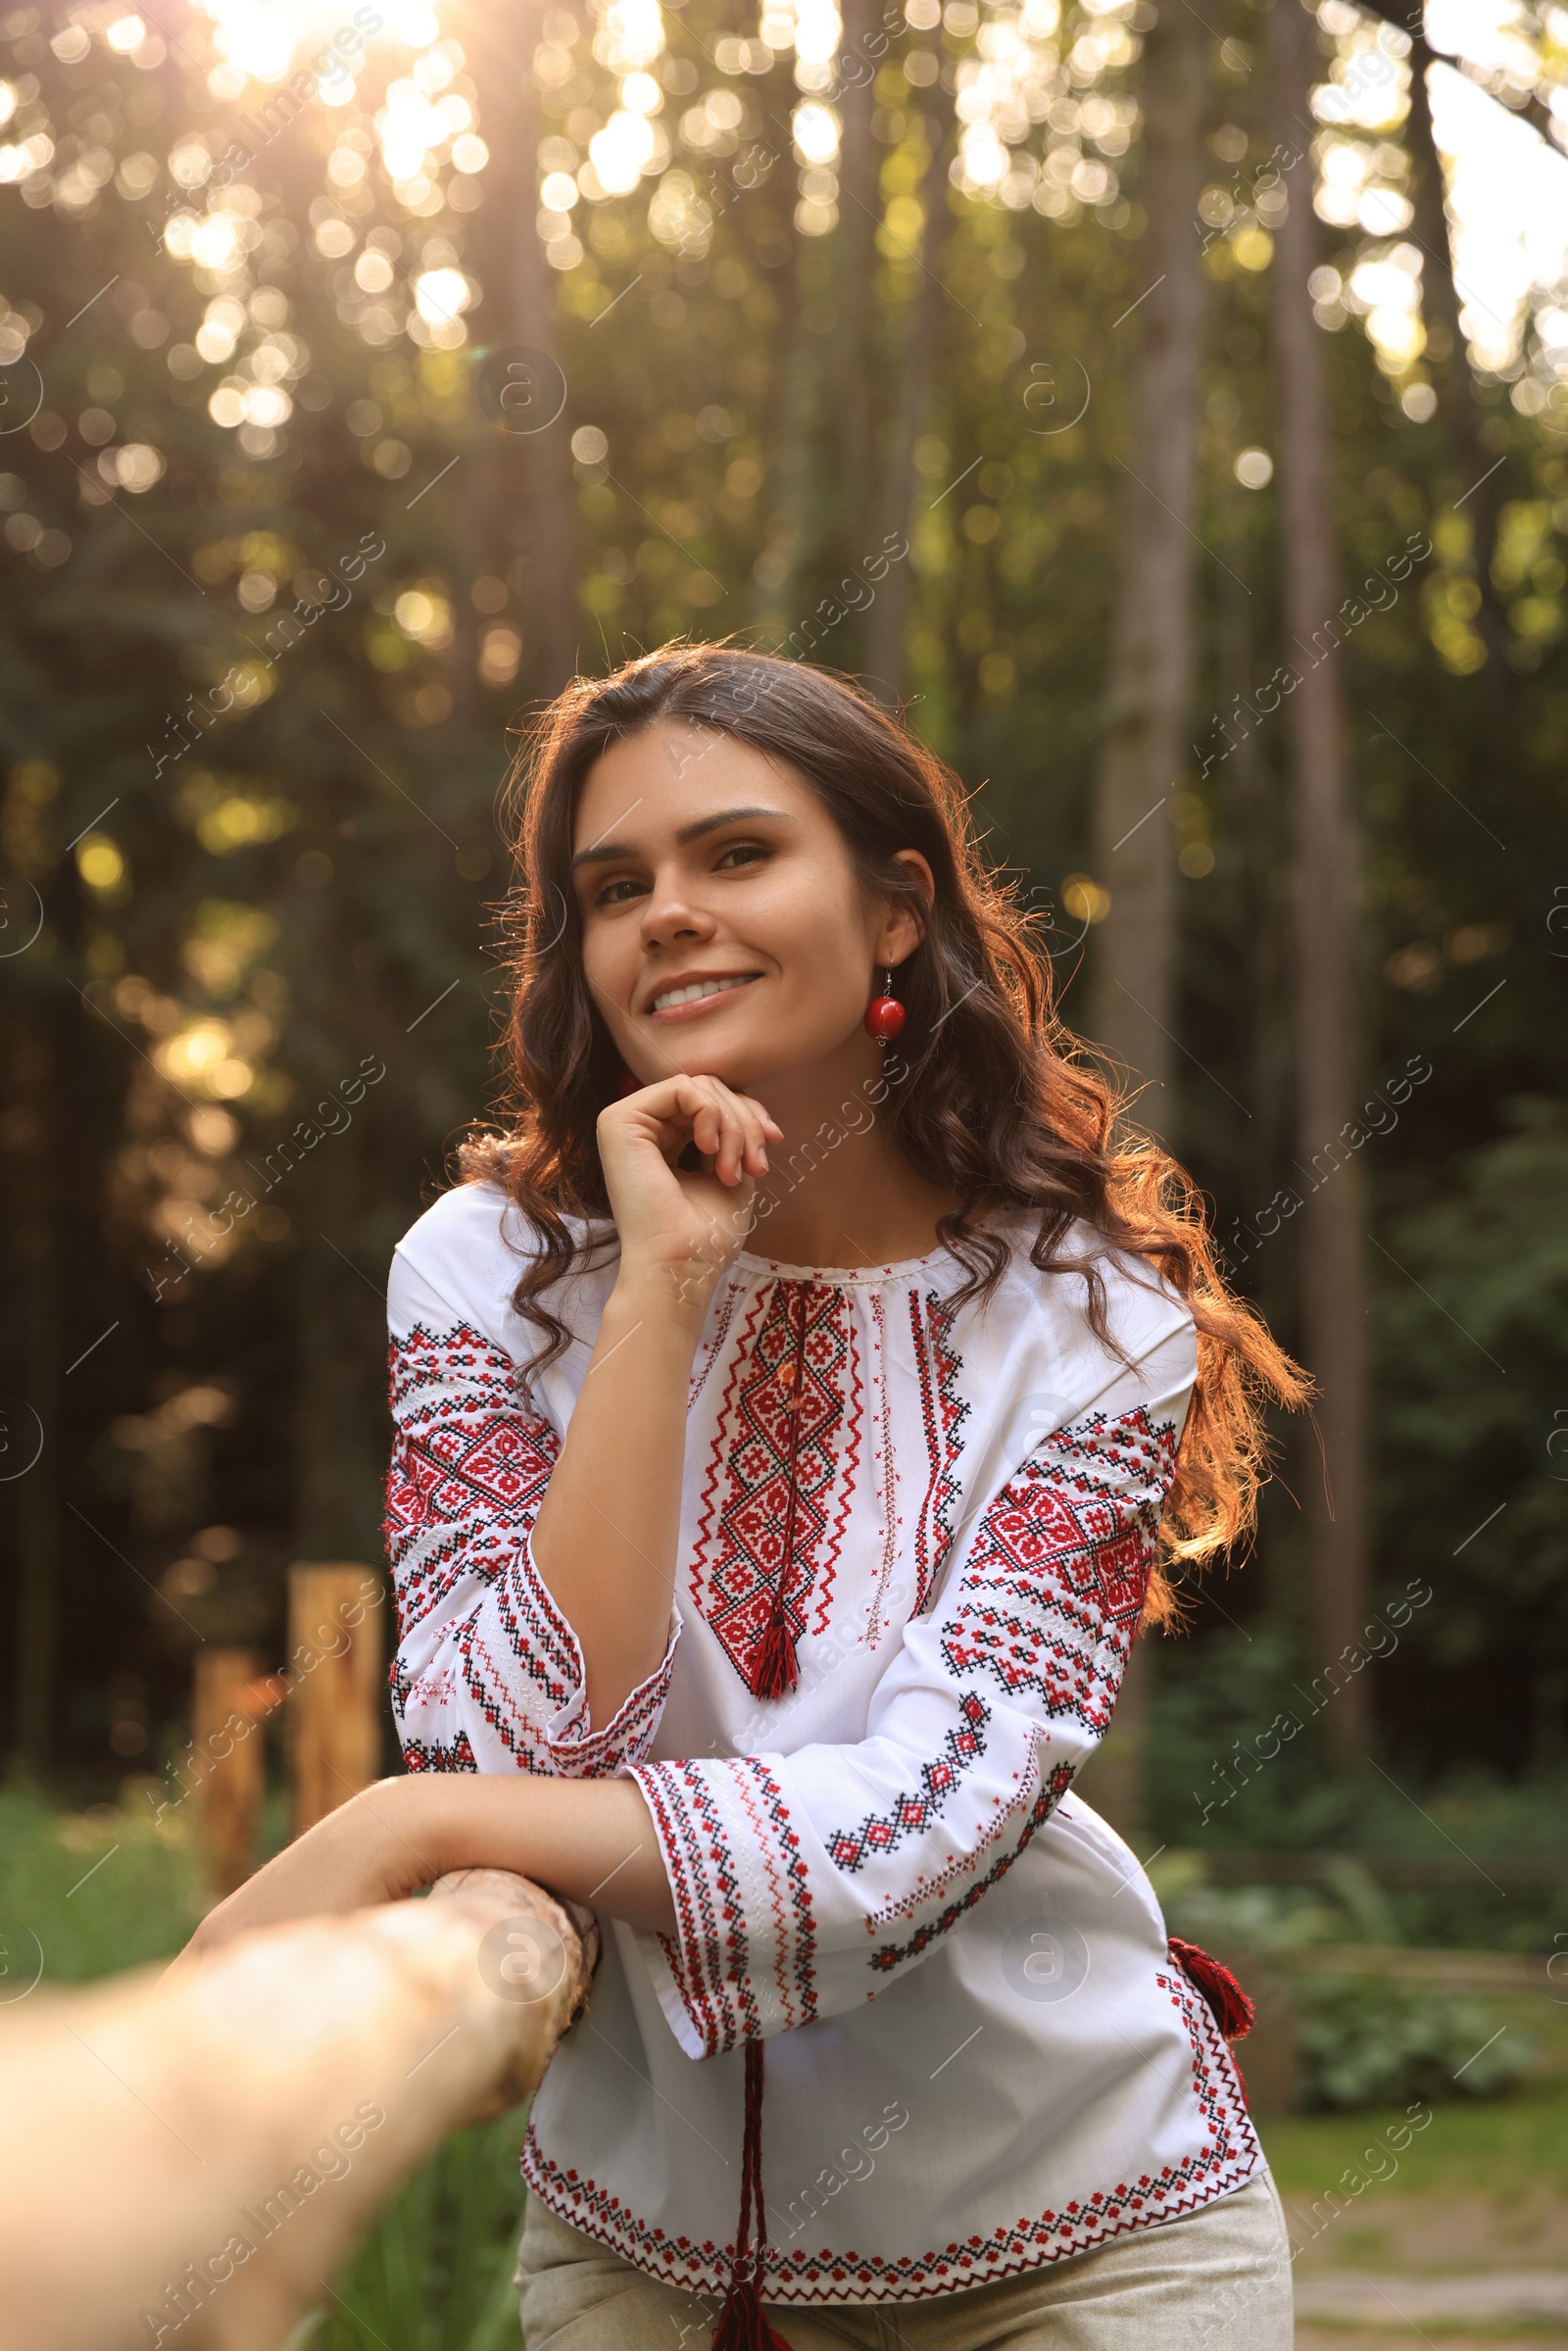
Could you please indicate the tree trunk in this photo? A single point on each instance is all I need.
(1485, 489)
(341, 1448)
(1149, 681)
(529, 473)
(855, 268)
(801, 532)
(38, 1407)
(890, 614)
(1149, 684)
(1332, 1219)
(1484, 492)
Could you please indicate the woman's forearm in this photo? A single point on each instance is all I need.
(591, 1841)
(608, 1528)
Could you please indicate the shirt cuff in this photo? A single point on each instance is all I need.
(741, 1965)
(572, 1748)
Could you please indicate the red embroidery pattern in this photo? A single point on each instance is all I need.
(469, 1474)
(1054, 1588)
(882, 1456)
(893, 1955)
(711, 1962)
(537, 1673)
(726, 1314)
(924, 1890)
(440, 1755)
(883, 1832)
(467, 1457)
(792, 1402)
(942, 1411)
(1229, 2158)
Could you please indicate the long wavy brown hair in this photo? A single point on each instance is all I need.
(1002, 1106)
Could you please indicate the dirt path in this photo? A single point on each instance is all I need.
(1472, 2270)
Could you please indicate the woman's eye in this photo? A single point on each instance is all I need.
(744, 853)
(615, 894)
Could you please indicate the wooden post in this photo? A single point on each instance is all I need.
(1332, 1235)
(229, 1754)
(335, 1647)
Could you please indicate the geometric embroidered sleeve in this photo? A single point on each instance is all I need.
(806, 1883)
(488, 1675)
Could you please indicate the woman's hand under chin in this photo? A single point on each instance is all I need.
(682, 1224)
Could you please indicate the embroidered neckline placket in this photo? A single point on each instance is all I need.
(777, 1667)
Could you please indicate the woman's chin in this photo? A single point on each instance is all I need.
(733, 1060)
(749, 1055)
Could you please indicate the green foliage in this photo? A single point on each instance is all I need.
(1362, 2044)
(1477, 1861)
(1512, 2149)
(1473, 1338)
(1269, 1919)
(1360, 2040)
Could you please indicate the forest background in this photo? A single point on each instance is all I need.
(366, 372)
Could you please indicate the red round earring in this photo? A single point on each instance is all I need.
(885, 1016)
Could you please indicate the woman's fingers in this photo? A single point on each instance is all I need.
(720, 1133)
(732, 1131)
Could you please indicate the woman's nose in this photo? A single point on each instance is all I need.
(670, 912)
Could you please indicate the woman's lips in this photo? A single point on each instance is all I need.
(696, 1005)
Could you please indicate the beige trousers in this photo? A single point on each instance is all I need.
(1218, 2280)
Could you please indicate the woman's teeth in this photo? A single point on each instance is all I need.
(689, 996)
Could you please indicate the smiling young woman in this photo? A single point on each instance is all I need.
(791, 1431)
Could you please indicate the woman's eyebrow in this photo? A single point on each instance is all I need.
(606, 853)
(712, 824)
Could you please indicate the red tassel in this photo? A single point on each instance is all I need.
(741, 2325)
(1233, 2010)
(776, 1669)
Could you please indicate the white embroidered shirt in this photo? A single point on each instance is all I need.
(981, 2055)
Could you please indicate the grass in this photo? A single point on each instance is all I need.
(88, 1892)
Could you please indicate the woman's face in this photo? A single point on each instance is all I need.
(725, 931)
